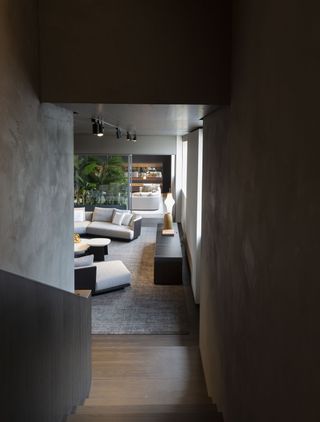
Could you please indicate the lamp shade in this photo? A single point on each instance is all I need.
(169, 202)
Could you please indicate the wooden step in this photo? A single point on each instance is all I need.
(151, 417)
(149, 409)
(147, 375)
(146, 379)
(112, 341)
(150, 399)
(135, 391)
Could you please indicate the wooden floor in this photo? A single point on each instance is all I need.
(152, 378)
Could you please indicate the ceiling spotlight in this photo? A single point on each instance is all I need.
(118, 133)
(101, 128)
(128, 136)
(134, 139)
(97, 127)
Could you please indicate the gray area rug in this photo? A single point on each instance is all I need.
(142, 308)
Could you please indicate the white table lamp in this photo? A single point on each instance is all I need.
(167, 218)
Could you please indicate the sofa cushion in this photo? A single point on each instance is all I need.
(83, 261)
(146, 194)
(126, 219)
(101, 228)
(89, 215)
(79, 214)
(133, 219)
(111, 274)
(117, 218)
(150, 187)
(102, 214)
(147, 187)
(81, 227)
(120, 210)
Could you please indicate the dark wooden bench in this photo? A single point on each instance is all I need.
(168, 258)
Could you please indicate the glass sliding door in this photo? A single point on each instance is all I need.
(101, 180)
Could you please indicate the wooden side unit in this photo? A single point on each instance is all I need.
(168, 258)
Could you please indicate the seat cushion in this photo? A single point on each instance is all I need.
(111, 274)
(81, 227)
(100, 228)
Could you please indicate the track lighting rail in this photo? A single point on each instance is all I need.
(98, 129)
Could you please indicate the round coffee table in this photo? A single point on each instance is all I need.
(80, 248)
(99, 247)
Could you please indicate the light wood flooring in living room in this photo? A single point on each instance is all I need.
(148, 378)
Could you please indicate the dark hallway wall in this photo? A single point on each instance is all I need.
(260, 291)
(36, 159)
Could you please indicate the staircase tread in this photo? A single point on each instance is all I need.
(146, 379)
(151, 417)
(150, 401)
(159, 408)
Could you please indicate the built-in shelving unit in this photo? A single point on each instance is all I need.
(148, 172)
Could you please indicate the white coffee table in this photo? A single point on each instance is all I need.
(80, 247)
(99, 247)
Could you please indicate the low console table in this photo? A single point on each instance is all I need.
(168, 258)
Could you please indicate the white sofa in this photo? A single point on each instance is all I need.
(149, 199)
(99, 223)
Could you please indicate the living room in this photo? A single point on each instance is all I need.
(156, 160)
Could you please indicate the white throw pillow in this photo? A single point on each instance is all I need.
(83, 261)
(147, 187)
(117, 218)
(102, 214)
(79, 215)
(126, 219)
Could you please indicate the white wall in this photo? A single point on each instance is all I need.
(184, 176)
(178, 179)
(153, 145)
(192, 219)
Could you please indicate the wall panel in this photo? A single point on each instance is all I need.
(45, 354)
(260, 289)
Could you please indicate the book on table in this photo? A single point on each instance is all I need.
(168, 232)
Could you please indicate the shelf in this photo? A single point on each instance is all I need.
(137, 182)
(145, 165)
(147, 180)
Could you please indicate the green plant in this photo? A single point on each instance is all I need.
(91, 174)
(83, 168)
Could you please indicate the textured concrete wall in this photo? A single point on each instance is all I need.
(260, 291)
(135, 52)
(36, 147)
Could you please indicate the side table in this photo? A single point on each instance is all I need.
(98, 247)
(80, 248)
